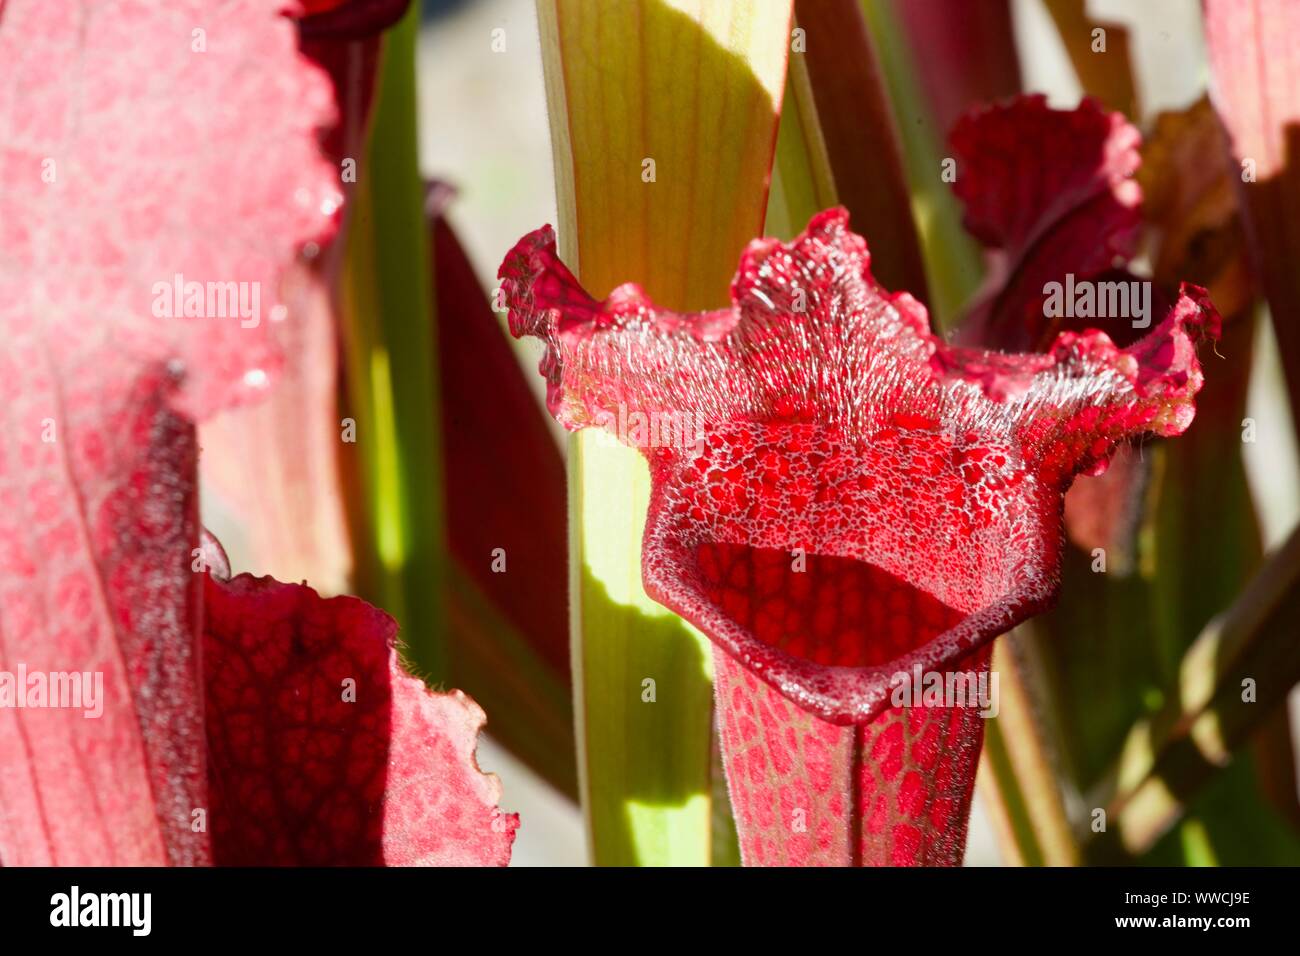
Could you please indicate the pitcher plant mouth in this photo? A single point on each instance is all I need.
(830, 605)
(860, 497)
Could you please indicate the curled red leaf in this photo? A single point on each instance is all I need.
(1051, 193)
(322, 750)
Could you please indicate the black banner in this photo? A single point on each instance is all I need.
(970, 906)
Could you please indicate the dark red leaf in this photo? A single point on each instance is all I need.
(965, 51)
(505, 505)
(1050, 192)
(323, 751)
(856, 119)
(504, 473)
(349, 19)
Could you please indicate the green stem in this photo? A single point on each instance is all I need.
(952, 258)
(643, 686)
(662, 126)
(391, 368)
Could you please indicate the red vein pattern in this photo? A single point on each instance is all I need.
(895, 791)
(323, 751)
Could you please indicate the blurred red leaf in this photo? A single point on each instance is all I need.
(1255, 65)
(1190, 204)
(1050, 192)
(1104, 511)
(276, 465)
(967, 53)
(119, 179)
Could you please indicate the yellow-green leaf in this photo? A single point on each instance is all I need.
(663, 124)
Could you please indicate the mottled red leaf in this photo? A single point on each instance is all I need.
(845, 496)
(137, 143)
(1051, 193)
(323, 751)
